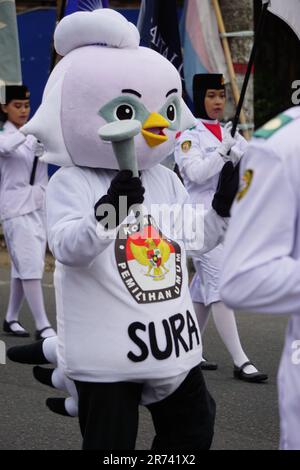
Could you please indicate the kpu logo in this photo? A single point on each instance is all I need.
(149, 263)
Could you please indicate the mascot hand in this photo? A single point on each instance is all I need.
(125, 191)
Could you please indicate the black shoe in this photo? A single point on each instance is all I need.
(28, 353)
(254, 377)
(207, 365)
(7, 329)
(38, 333)
(43, 375)
(57, 405)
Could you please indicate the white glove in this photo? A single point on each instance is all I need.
(235, 155)
(234, 152)
(37, 147)
(227, 142)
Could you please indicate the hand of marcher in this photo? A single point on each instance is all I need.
(36, 146)
(227, 142)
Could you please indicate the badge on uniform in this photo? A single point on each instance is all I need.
(186, 145)
(245, 185)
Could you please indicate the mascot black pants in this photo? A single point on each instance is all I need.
(108, 415)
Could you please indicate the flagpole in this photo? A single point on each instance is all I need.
(258, 34)
(61, 7)
(227, 53)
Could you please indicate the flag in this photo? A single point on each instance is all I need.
(288, 11)
(203, 52)
(10, 64)
(158, 27)
(84, 5)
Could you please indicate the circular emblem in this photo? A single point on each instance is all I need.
(245, 185)
(186, 145)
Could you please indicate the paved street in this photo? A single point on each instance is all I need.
(246, 413)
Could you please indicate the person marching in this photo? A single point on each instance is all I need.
(262, 250)
(22, 190)
(200, 155)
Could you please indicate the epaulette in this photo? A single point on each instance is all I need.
(271, 127)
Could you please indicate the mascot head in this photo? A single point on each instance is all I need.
(104, 76)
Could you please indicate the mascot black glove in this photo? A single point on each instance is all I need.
(123, 184)
(226, 191)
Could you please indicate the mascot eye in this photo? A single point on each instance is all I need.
(171, 113)
(125, 111)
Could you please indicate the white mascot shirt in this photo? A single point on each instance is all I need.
(124, 309)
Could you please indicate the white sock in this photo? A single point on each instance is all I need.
(202, 314)
(71, 406)
(16, 296)
(58, 380)
(50, 349)
(63, 383)
(226, 325)
(34, 296)
(71, 388)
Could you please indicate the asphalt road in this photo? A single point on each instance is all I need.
(247, 416)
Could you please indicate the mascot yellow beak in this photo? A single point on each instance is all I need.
(153, 129)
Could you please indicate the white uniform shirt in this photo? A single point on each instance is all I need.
(17, 196)
(262, 251)
(200, 166)
(122, 315)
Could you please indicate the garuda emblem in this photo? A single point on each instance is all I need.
(154, 255)
(145, 255)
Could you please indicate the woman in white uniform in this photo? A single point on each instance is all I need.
(200, 154)
(23, 183)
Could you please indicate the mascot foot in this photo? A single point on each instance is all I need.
(57, 405)
(28, 353)
(43, 375)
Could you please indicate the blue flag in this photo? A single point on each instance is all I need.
(84, 5)
(158, 27)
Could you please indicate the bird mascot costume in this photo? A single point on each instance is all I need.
(119, 226)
